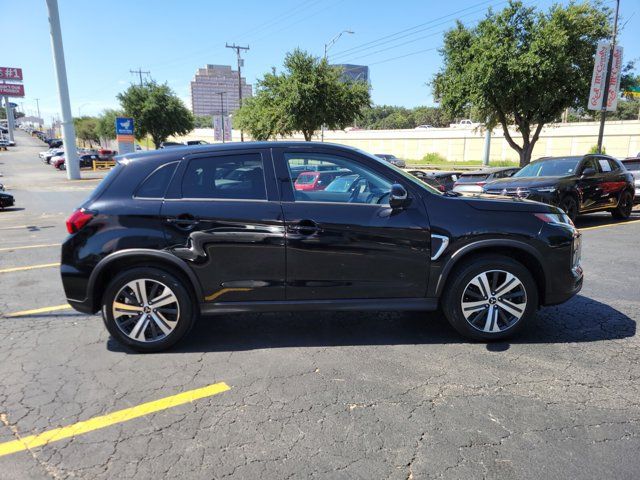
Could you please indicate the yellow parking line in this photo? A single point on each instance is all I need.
(25, 247)
(96, 423)
(35, 311)
(29, 267)
(609, 225)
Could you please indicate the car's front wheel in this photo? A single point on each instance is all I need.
(625, 205)
(490, 298)
(147, 309)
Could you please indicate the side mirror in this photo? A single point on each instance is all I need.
(398, 196)
(588, 172)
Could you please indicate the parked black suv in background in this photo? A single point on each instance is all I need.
(173, 234)
(580, 184)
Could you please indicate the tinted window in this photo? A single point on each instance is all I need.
(238, 177)
(349, 182)
(615, 166)
(473, 178)
(155, 185)
(589, 163)
(633, 166)
(556, 167)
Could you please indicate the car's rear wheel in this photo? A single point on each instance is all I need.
(570, 207)
(625, 205)
(147, 309)
(490, 298)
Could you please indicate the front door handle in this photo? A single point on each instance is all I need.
(304, 227)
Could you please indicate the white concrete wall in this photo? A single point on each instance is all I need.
(622, 139)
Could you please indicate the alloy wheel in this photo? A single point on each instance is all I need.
(146, 310)
(494, 301)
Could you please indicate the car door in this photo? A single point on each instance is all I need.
(613, 181)
(345, 242)
(222, 215)
(589, 186)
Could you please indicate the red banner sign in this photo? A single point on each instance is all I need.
(10, 73)
(12, 89)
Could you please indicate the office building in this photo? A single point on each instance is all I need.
(207, 85)
(354, 72)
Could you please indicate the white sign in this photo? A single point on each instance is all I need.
(598, 77)
(219, 127)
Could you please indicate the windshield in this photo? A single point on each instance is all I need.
(557, 167)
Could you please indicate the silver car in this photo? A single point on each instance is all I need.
(633, 165)
(472, 182)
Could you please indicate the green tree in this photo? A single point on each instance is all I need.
(87, 129)
(106, 125)
(203, 121)
(156, 111)
(308, 94)
(521, 66)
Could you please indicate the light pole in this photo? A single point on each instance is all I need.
(68, 132)
(81, 107)
(327, 46)
(333, 41)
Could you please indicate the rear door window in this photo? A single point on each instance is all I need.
(605, 166)
(234, 177)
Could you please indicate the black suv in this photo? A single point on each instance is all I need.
(581, 184)
(174, 234)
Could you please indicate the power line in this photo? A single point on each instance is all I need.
(278, 18)
(415, 27)
(405, 55)
(396, 46)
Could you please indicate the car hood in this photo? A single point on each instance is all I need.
(505, 204)
(524, 182)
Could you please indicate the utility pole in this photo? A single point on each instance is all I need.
(39, 117)
(68, 131)
(237, 48)
(10, 118)
(139, 72)
(607, 81)
(221, 112)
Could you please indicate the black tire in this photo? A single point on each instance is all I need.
(570, 206)
(625, 205)
(185, 317)
(456, 291)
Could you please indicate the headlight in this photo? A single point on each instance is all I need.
(545, 189)
(554, 218)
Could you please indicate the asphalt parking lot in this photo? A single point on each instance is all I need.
(300, 395)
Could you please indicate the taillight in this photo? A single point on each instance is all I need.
(78, 219)
(481, 184)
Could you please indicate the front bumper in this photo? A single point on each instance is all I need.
(565, 275)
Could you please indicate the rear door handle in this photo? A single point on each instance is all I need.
(305, 227)
(185, 221)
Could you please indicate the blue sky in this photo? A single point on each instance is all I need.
(104, 40)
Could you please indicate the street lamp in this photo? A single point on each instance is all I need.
(332, 42)
(327, 46)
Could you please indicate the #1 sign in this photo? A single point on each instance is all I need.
(598, 77)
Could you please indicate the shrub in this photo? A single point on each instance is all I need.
(594, 149)
(433, 157)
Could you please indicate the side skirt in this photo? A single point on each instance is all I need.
(378, 304)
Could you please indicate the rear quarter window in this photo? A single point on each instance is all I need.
(104, 184)
(156, 184)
